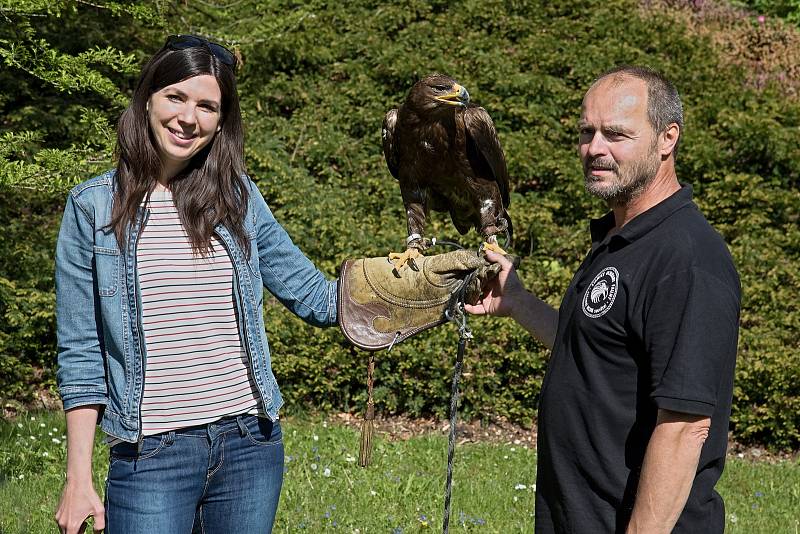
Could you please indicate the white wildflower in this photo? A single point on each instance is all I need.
(349, 459)
(327, 472)
(373, 492)
(520, 487)
(313, 467)
(733, 518)
(56, 441)
(316, 437)
(42, 425)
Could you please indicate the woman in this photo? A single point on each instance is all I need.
(160, 270)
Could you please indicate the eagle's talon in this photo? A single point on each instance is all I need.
(404, 259)
(494, 247)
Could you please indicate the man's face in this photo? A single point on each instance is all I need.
(618, 147)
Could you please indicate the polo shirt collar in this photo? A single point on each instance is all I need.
(642, 223)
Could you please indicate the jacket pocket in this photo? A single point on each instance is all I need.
(106, 264)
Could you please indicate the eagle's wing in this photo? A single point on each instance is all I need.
(389, 139)
(483, 148)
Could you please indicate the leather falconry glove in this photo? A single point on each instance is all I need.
(379, 306)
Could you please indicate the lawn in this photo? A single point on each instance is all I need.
(401, 492)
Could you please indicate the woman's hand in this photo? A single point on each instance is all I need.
(79, 500)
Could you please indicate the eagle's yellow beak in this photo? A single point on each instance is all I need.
(457, 97)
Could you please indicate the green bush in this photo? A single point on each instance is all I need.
(315, 83)
(27, 302)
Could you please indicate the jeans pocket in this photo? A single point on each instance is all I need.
(151, 445)
(262, 431)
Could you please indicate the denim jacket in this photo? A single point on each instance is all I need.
(101, 350)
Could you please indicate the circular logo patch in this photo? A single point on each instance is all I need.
(600, 294)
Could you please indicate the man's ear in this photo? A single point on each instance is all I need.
(668, 139)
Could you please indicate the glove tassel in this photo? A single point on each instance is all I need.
(367, 428)
(368, 425)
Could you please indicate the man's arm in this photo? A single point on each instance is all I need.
(668, 471)
(505, 296)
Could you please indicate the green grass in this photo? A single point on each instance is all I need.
(325, 489)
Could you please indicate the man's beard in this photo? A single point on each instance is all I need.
(628, 184)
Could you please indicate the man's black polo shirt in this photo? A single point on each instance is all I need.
(649, 321)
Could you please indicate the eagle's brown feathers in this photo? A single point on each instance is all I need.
(446, 156)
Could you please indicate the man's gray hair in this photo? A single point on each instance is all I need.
(663, 102)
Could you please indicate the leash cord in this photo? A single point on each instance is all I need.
(455, 312)
(451, 442)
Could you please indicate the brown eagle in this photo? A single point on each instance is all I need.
(445, 154)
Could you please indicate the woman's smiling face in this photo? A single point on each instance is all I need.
(184, 117)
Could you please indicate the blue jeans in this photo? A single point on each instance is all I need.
(221, 477)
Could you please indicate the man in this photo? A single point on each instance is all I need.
(634, 408)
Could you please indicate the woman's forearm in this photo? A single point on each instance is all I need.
(81, 424)
(79, 499)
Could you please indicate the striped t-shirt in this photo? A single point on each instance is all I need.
(196, 370)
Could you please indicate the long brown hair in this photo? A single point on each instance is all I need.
(211, 189)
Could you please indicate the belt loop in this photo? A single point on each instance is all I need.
(242, 427)
(170, 438)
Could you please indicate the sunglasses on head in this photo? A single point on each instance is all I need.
(182, 42)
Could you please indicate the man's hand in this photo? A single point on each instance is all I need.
(79, 500)
(505, 296)
(501, 293)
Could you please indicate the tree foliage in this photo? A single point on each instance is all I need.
(787, 9)
(66, 68)
(315, 83)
